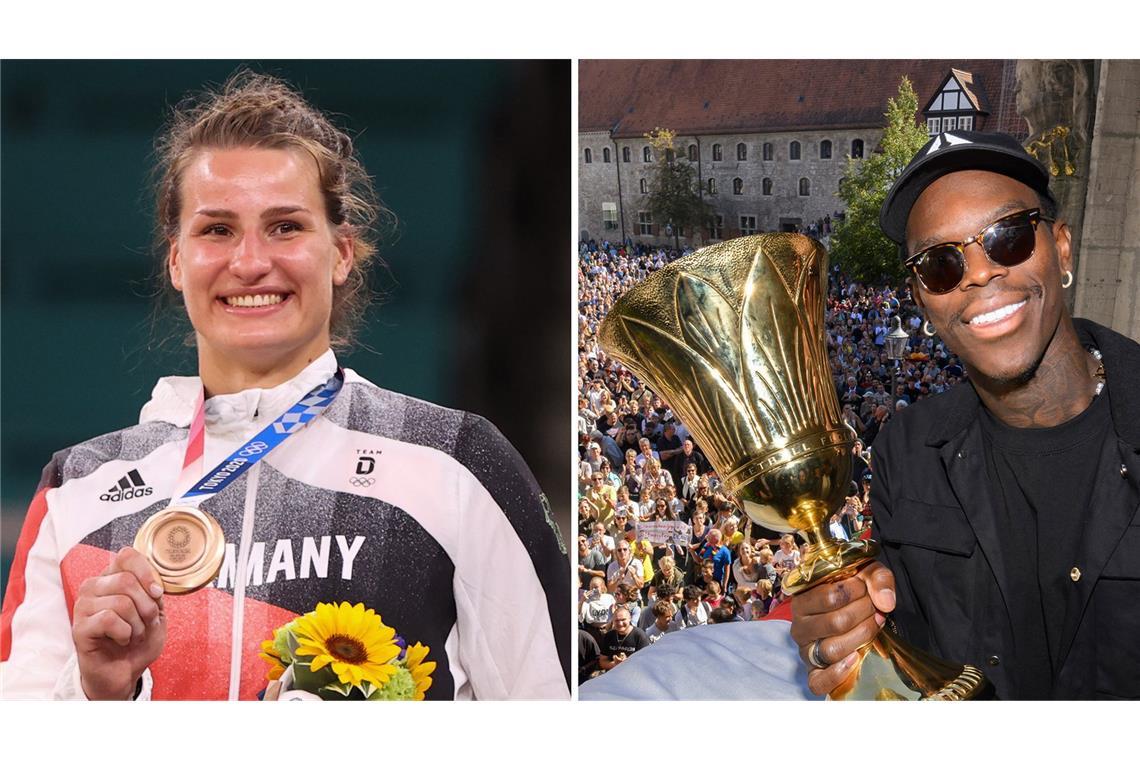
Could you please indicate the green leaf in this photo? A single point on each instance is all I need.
(858, 246)
(306, 680)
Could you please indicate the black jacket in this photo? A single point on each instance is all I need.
(935, 518)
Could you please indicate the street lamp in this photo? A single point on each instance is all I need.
(896, 341)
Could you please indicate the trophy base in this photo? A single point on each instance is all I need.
(890, 669)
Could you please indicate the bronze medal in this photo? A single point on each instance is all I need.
(185, 545)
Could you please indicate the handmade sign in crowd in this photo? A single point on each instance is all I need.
(666, 532)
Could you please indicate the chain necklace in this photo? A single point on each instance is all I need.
(1099, 372)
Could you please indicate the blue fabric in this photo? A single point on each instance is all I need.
(753, 660)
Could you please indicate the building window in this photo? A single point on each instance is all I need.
(693, 152)
(856, 148)
(794, 150)
(965, 122)
(738, 186)
(766, 186)
(716, 228)
(747, 225)
(933, 125)
(741, 152)
(825, 149)
(609, 216)
(625, 154)
(805, 186)
(712, 186)
(767, 151)
(605, 155)
(644, 186)
(717, 156)
(589, 156)
(948, 123)
(647, 154)
(644, 223)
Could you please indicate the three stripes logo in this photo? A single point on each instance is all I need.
(130, 486)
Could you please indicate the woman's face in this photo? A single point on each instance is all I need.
(256, 258)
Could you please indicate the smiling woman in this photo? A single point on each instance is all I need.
(227, 499)
(257, 262)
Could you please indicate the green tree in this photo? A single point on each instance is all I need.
(673, 195)
(858, 245)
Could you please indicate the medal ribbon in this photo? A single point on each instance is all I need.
(253, 450)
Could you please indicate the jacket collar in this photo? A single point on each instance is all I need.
(174, 399)
(1121, 357)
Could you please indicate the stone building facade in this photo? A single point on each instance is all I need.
(768, 140)
(758, 182)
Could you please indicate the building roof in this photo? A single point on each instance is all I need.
(717, 97)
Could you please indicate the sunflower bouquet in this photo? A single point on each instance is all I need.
(346, 652)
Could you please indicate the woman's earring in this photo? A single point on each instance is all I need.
(1066, 279)
(927, 329)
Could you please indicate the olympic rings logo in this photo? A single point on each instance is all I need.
(253, 448)
(361, 482)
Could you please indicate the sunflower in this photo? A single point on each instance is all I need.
(421, 671)
(353, 640)
(269, 654)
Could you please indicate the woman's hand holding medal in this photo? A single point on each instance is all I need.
(119, 626)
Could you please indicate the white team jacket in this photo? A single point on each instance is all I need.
(426, 515)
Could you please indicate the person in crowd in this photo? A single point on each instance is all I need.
(624, 568)
(624, 505)
(787, 556)
(595, 611)
(668, 574)
(694, 611)
(689, 485)
(587, 516)
(663, 613)
(591, 563)
(602, 497)
(643, 553)
(621, 641)
(626, 597)
(718, 554)
(601, 541)
(646, 452)
(589, 653)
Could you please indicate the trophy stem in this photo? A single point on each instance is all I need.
(828, 560)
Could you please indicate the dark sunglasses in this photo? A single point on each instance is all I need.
(1007, 242)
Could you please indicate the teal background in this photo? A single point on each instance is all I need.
(78, 355)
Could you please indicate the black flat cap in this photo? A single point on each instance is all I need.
(956, 151)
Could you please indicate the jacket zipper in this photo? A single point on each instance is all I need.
(246, 541)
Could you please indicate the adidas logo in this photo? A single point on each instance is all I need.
(130, 486)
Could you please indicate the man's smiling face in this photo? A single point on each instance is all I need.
(999, 320)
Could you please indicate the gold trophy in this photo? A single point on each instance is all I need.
(732, 337)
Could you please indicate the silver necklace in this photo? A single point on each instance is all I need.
(1099, 372)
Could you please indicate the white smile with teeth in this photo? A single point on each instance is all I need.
(998, 314)
(254, 301)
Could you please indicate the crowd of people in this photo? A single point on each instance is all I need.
(661, 545)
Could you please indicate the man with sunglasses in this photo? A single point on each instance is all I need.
(1006, 508)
